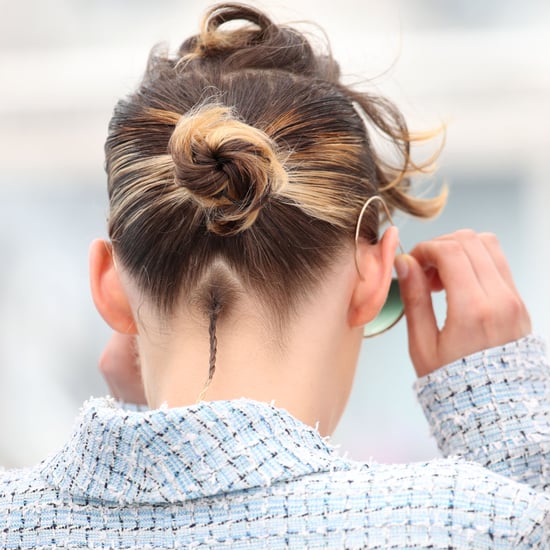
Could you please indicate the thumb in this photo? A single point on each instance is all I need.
(421, 322)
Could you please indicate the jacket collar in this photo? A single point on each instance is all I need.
(170, 455)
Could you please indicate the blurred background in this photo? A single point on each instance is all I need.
(482, 68)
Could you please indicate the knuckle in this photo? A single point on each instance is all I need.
(484, 314)
(451, 247)
(414, 300)
(465, 234)
(417, 248)
(489, 238)
(513, 307)
(506, 310)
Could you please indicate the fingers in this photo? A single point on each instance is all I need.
(455, 272)
(421, 322)
(484, 308)
(486, 258)
(494, 249)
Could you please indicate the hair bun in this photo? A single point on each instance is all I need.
(227, 166)
(257, 44)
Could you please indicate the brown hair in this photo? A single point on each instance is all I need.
(243, 162)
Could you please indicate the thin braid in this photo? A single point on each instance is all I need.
(214, 314)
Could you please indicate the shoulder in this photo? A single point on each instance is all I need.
(442, 500)
(424, 482)
(24, 494)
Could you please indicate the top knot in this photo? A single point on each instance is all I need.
(222, 13)
(260, 44)
(228, 167)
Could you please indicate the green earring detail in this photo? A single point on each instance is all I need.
(393, 308)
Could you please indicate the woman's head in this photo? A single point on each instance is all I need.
(244, 149)
(241, 164)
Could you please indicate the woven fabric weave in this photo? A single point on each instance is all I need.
(245, 474)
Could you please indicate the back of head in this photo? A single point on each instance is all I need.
(243, 160)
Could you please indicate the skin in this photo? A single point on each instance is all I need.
(309, 370)
(484, 308)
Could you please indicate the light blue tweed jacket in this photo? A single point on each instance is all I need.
(244, 474)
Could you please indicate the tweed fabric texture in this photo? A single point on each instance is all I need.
(245, 474)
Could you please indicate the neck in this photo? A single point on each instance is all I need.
(307, 370)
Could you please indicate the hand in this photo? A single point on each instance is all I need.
(119, 365)
(484, 308)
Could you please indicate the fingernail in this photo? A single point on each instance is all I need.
(401, 266)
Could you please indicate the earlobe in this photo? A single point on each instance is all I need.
(375, 263)
(108, 293)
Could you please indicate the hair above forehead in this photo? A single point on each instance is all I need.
(244, 150)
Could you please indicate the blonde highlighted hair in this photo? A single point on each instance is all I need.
(244, 150)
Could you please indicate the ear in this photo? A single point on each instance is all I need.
(108, 293)
(375, 263)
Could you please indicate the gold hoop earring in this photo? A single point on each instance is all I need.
(392, 310)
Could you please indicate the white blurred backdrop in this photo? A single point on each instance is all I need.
(483, 68)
